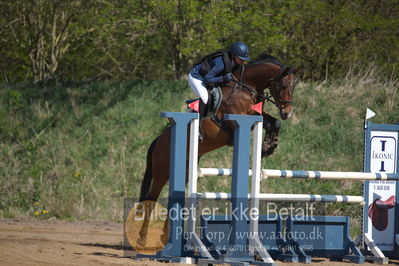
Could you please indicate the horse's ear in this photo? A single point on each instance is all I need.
(286, 71)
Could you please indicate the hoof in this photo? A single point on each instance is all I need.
(164, 239)
(268, 149)
(141, 242)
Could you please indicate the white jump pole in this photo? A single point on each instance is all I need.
(217, 172)
(192, 189)
(286, 197)
(271, 173)
(266, 173)
(254, 242)
(311, 198)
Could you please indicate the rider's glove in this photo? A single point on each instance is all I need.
(228, 77)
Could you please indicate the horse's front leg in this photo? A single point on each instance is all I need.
(272, 127)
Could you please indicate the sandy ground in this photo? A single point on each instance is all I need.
(28, 241)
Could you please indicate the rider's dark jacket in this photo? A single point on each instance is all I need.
(212, 68)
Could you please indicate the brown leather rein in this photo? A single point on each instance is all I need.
(261, 95)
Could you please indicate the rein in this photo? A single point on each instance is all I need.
(250, 89)
(257, 94)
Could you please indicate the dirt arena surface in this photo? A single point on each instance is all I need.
(29, 241)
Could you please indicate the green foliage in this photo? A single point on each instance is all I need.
(330, 36)
(161, 39)
(37, 34)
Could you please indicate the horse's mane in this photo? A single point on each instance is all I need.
(265, 58)
(262, 59)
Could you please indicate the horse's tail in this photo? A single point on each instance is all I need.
(147, 180)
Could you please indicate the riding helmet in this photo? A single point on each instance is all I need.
(240, 49)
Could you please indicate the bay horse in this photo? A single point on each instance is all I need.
(246, 89)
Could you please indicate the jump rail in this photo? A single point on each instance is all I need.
(269, 173)
(287, 197)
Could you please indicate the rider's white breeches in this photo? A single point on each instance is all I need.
(198, 88)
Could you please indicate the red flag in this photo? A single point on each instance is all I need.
(194, 105)
(257, 107)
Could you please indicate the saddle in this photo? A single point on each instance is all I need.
(209, 110)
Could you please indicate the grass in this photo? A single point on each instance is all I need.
(77, 151)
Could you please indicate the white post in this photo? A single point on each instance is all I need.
(192, 189)
(254, 242)
(256, 169)
(193, 172)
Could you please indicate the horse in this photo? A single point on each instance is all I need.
(239, 95)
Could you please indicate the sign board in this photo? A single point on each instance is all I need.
(383, 152)
(381, 155)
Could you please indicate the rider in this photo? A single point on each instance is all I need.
(216, 69)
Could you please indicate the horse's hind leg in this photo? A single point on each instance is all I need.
(165, 233)
(160, 175)
(272, 127)
(147, 209)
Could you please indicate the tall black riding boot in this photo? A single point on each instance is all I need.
(203, 111)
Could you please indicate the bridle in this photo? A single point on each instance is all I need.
(278, 80)
(260, 95)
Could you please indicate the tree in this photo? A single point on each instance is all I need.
(162, 39)
(42, 29)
